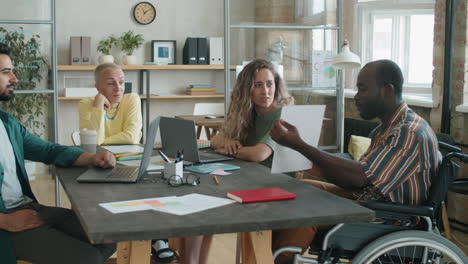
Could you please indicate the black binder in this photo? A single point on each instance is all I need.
(190, 51)
(203, 56)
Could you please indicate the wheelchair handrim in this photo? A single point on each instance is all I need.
(422, 242)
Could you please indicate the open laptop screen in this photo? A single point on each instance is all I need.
(178, 135)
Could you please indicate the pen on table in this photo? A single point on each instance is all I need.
(215, 178)
(126, 154)
(165, 158)
(136, 157)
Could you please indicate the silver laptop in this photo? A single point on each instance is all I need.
(124, 174)
(179, 135)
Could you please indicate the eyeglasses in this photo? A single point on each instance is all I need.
(187, 179)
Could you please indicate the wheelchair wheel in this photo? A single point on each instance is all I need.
(410, 247)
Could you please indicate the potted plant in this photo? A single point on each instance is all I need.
(129, 42)
(30, 68)
(104, 47)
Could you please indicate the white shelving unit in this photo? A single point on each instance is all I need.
(143, 83)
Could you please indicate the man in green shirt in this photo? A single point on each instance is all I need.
(28, 230)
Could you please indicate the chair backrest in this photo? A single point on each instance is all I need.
(208, 109)
(358, 128)
(445, 175)
(440, 184)
(447, 139)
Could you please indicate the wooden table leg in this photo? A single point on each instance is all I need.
(208, 133)
(134, 252)
(199, 129)
(178, 244)
(256, 247)
(214, 131)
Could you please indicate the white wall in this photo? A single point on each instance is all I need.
(176, 20)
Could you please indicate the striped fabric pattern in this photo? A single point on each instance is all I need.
(402, 158)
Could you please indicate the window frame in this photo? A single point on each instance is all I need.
(365, 12)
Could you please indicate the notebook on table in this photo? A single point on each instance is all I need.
(124, 174)
(261, 195)
(179, 134)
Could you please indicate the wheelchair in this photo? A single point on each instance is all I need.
(399, 233)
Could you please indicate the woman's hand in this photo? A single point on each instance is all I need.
(101, 102)
(229, 147)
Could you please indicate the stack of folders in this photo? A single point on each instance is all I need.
(201, 89)
(200, 50)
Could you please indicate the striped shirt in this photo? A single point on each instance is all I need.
(402, 158)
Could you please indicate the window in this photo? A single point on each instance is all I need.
(402, 31)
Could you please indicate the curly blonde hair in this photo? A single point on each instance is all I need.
(241, 110)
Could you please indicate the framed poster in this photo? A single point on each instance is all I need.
(163, 52)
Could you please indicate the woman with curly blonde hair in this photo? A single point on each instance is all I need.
(256, 103)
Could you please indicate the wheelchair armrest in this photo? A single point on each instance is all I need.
(400, 208)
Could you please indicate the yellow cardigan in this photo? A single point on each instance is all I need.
(121, 126)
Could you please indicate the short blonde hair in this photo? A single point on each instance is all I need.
(102, 67)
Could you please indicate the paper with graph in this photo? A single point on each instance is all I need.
(178, 205)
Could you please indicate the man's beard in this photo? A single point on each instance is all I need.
(375, 108)
(7, 96)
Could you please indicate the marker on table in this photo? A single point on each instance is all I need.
(215, 178)
(136, 157)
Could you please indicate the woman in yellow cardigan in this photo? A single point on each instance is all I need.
(117, 119)
(114, 115)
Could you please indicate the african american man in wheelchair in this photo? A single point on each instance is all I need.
(398, 166)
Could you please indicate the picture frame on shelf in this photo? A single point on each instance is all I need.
(163, 52)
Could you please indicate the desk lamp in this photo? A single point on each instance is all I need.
(343, 60)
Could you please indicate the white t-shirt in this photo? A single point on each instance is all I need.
(12, 193)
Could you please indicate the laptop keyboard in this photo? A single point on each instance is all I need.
(123, 172)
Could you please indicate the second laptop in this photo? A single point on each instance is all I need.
(179, 134)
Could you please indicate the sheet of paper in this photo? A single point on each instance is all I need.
(117, 149)
(178, 205)
(136, 205)
(155, 163)
(193, 203)
(308, 120)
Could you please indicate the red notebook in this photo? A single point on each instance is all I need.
(261, 195)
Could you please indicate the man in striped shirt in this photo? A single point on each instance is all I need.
(399, 164)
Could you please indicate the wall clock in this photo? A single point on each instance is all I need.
(144, 13)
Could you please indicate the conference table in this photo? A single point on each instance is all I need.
(134, 231)
(211, 123)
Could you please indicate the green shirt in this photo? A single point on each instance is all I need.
(260, 132)
(28, 146)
